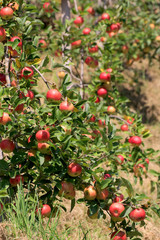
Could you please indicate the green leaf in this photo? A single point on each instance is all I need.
(105, 183)
(128, 185)
(126, 212)
(1, 50)
(72, 204)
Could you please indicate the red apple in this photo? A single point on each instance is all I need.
(44, 148)
(103, 39)
(15, 181)
(107, 175)
(53, 95)
(102, 92)
(124, 127)
(125, 49)
(130, 120)
(5, 118)
(90, 193)
(137, 215)
(78, 21)
(76, 43)
(7, 146)
(105, 77)
(14, 83)
(105, 16)
(115, 210)
(109, 70)
(93, 49)
(101, 124)
(120, 160)
(74, 169)
(92, 119)
(31, 153)
(66, 106)
(14, 6)
(45, 210)
(2, 34)
(42, 136)
(111, 110)
(47, 7)
(58, 53)
(3, 78)
(1, 208)
(97, 100)
(118, 198)
(19, 108)
(91, 11)
(91, 62)
(6, 13)
(114, 27)
(86, 31)
(147, 160)
(136, 141)
(67, 190)
(30, 94)
(42, 43)
(27, 72)
(102, 194)
(118, 236)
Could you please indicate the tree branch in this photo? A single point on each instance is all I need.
(7, 63)
(45, 81)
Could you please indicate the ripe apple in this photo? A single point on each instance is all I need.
(67, 190)
(44, 148)
(105, 77)
(125, 49)
(47, 7)
(5, 118)
(7, 146)
(74, 169)
(78, 21)
(19, 108)
(107, 175)
(76, 43)
(93, 49)
(115, 210)
(27, 72)
(118, 198)
(135, 140)
(93, 216)
(30, 94)
(45, 210)
(14, 53)
(124, 127)
(1, 208)
(61, 74)
(91, 62)
(97, 100)
(92, 119)
(91, 11)
(114, 27)
(90, 193)
(130, 120)
(15, 181)
(103, 39)
(111, 110)
(158, 39)
(152, 26)
(6, 13)
(147, 160)
(109, 70)
(3, 78)
(2, 34)
(120, 160)
(137, 215)
(14, 83)
(42, 136)
(102, 92)
(105, 16)
(66, 106)
(101, 124)
(53, 95)
(86, 31)
(42, 43)
(118, 236)
(102, 194)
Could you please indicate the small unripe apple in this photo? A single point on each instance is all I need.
(111, 110)
(90, 193)
(118, 235)
(6, 13)
(5, 118)
(66, 106)
(78, 21)
(2, 34)
(61, 74)
(105, 77)
(86, 31)
(102, 92)
(124, 127)
(74, 169)
(42, 136)
(67, 190)
(137, 215)
(105, 16)
(7, 146)
(53, 95)
(47, 7)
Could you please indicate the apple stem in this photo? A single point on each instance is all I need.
(7, 63)
(45, 81)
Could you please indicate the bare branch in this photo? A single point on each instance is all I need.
(114, 116)
(45, 81)
(76, 7)
(7, 65)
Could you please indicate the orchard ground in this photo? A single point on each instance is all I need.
(145, 98)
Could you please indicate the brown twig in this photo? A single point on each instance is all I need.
(45, 81)
(7, 63)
